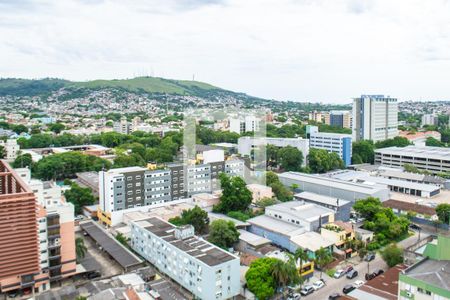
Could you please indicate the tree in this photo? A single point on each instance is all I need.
(235, 194)
(196, 217)
(301, 256)
(364, 151)
(362, 250)
(368, 208)
(392, 255)
(397, 141)
(443, 212)
(445, 136)
(80, 248)
(321, 161)
(122, 239)
(79, 197)
(2, 152)
(223, 233)
(259, 278)
(281, 192)
(264, 202)
(432, 142)
(290, 158)
(323, 258)
(56, 127)
(285, 272)
(23, 160)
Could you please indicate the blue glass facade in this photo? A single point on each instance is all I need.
(347, 150)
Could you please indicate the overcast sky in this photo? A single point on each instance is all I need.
(304, 50)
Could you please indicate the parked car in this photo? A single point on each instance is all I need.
(295, 296)
(318, 285)
(348, 288)
(358, 283)
(334, 296)
(415, 227)
(370, 257)
(352, 274)
(378, 272)
(306, 290)
(339, 273)
(348, 269)
(93, 275)
(370, 276)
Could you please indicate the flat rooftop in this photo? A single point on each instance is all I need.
(321, 199)
(418, 151)
(312, 241)
(125, 170)
(276, 225)
(117, 251)
(434, 272)
(252, 239)
(194, 246)
(332, 182)
(300, 209)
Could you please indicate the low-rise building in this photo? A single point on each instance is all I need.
(419, 211)
(432, 159)
(341, 208)
(11, 148)
(259, 191)
(340, 233)
(332, 187)
(205, 270)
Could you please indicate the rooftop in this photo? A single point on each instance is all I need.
(311, 240)
(194, 246)
(276, 225)
(321, 199)
(332, 182)
(406, 206)
(119, 171)
(384, 286)
(252, 239)
(418, 151)
(300, 209)
(433, 272)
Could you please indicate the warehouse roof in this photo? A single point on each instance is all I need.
(275, 225)
(300, 209)
(321, 199)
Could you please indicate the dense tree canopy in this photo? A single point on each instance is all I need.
(79, 197)
(196, 217)
(2, 152)
(443, 212)
(321, 161)
(432, 142)
(397, 141)
(363, 152)
(235, 194)
(259, 278)
(290, 158)
(56, 127)
(280, 191)
(22, 161)
(392, 255)
(65, 165)
(223, 233)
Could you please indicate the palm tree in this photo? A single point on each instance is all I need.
(80, 248)
(301, 255)
(280, 272)
(323, 258)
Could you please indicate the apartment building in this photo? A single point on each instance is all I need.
(432, 159)
(122, 126)
(244, 124)
(315, 116)
(341, 144)
(342, 119)
(205, 270)
(11, 148)
(134, 188)
(430, 119)
(246, 144)
(375, 117)
(37, 233)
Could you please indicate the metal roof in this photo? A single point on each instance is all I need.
(117, 251)
(416, 151)
(308, 196)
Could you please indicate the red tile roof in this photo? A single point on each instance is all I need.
(386, 284)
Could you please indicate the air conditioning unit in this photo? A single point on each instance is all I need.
(408, 294)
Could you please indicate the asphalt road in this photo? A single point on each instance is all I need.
(336, 285)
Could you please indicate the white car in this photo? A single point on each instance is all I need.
(339, 273)
(318, 285)
(358, 283)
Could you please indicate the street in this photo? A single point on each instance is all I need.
(336, 285)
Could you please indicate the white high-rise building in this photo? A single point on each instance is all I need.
(11, 148)
(375, 117)
(430, 119)
(245, 124)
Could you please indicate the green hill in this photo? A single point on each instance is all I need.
(27, 87)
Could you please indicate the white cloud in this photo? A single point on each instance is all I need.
(305, 50)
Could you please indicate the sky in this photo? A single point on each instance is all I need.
(306, 50)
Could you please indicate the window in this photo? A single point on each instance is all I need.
(129, 178)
